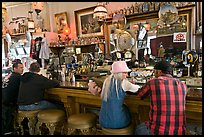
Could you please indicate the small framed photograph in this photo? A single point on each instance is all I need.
(61, 21)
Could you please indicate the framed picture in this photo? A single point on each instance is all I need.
(86, 25)
(61, 21)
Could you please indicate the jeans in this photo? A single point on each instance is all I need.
(143, 129)
(41, 105)
(8, 118)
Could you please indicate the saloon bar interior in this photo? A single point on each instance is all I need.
(77, 42)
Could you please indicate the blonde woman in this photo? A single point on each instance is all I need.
(114, 113)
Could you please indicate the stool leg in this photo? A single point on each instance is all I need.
(51, 127)
(93, 130)
(90, 131)
(20, 119)
(62, 128)
(31, 124)
(37, 128)
(70, 131)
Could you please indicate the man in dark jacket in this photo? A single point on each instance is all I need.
(32, 89)
(10, 89)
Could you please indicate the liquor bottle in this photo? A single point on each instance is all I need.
(132, 9)
(136, 7)
(73, 77)
(199, 73)
(128, 11)
(145, 7)
(200, 52)
(151, 6)
(63, 76)
(140, 4)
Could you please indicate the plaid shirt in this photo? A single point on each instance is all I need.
(167, 107)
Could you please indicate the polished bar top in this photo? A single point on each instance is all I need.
(83, 85)
(75, 85)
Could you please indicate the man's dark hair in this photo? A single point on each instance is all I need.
(34, 67)
(164, 66)
(15, 64)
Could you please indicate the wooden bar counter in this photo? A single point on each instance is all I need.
(76, 99)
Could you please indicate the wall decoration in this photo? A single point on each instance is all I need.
(179, 37)
(86, 25)
(61, 21)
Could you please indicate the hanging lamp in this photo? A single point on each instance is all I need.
(100, 12)
(38, 7)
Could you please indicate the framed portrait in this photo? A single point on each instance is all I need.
(61, 21)
(86, 25)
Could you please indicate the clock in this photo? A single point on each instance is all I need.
(125, 41)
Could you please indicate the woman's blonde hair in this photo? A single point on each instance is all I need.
(107, 82)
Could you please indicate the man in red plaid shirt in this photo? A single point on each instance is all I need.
(167, 103)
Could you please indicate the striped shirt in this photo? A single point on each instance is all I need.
(167, 105)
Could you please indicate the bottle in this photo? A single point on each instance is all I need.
(73, 42)
(63, 76)
(199, 73)
(59, 76)
(200, 52)
(73, 78)
(136, 7)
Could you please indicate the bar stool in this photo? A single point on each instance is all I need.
(32, 120)
(52, 118)
(83, 122)
(129, 130)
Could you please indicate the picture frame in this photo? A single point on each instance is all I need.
(61, 21)
(86, 25)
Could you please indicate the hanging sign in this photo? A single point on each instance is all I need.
(179, 37)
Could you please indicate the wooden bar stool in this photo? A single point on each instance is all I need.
(52, 118)
(85, 123)
(122, 131)
(32, 120)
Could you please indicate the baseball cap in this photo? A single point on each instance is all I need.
(164, 66)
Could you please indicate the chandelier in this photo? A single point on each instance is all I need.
(168, 14)
(100, 12)
(38, 7)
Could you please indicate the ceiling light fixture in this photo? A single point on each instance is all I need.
(38, 7)
(100, 12)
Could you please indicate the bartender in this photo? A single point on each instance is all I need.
(149, 61)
